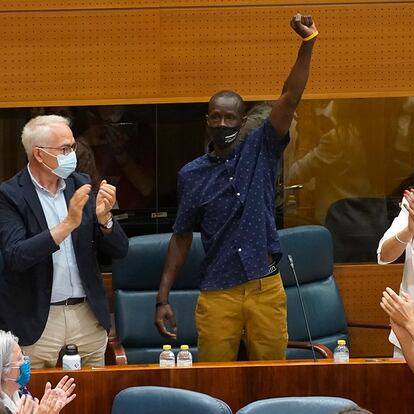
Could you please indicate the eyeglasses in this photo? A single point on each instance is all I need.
(66, 149)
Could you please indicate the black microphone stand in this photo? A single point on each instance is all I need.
(292, 266)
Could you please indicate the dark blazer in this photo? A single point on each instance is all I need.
(27, 247)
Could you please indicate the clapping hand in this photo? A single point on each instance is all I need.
(105, 200)
(408, 204)
(27, 405)
(77, 203)
(52, 401)
(399, 308)
(55, 399)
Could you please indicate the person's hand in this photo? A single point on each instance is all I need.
(27, 405)
(105, 200)
(164, 314)
(62, 394)
(77, 203)
(409, 206)
(399, 308)
(52, 400)
(303, 25)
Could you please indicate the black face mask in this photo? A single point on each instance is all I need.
(222, 136)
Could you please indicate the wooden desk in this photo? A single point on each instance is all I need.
(382, 386)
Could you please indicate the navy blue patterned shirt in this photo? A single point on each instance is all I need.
(233, 201)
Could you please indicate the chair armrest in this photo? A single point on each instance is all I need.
(370, 325)
(323, 350)
(115, 353)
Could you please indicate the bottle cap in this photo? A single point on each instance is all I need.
(71, 349)
(184, 347)
(166, 347)
(341, 342)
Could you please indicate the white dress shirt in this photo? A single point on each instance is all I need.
(66, 279)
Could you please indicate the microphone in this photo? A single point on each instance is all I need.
(292, 266)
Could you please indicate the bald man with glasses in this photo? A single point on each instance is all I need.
(51, 226)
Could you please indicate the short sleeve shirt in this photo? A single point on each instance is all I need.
(233, 202)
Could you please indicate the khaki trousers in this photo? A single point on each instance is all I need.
(255, 310)
(69, 324)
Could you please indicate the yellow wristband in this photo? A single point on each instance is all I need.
(314, 34)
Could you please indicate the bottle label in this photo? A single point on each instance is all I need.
(167, 363)
(184, 363)
(341, 357)
(71, 365)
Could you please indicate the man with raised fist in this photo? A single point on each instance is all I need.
(230, 194)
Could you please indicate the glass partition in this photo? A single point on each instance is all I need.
(346, 167)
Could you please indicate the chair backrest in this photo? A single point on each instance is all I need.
(298, 405)
(136, 279)
(135, 282)
(357, 224)
(311, 251)
(164, 400)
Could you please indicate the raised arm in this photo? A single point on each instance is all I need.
(283, 110)
(178, 249)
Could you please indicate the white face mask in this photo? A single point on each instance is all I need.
(66, 164)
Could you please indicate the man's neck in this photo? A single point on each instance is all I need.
(46, 179)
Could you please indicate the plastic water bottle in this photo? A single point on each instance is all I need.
(167, 357)
(341, 352)
(71, 359)
(184, 357)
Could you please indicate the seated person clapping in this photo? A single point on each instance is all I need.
(14, 376)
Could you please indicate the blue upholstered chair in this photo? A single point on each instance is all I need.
(136, 279)
(312, 253)
(163, 400)
(298, 405)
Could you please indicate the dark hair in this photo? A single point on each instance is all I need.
(229, 94)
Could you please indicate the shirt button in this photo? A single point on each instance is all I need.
(227, 160)
(238, 194)
(239, 249)
(231, 178)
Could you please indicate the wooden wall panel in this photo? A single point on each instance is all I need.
(252, 49)
(137, 52)
(77, 57)
(26, 5)
(361, 288)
